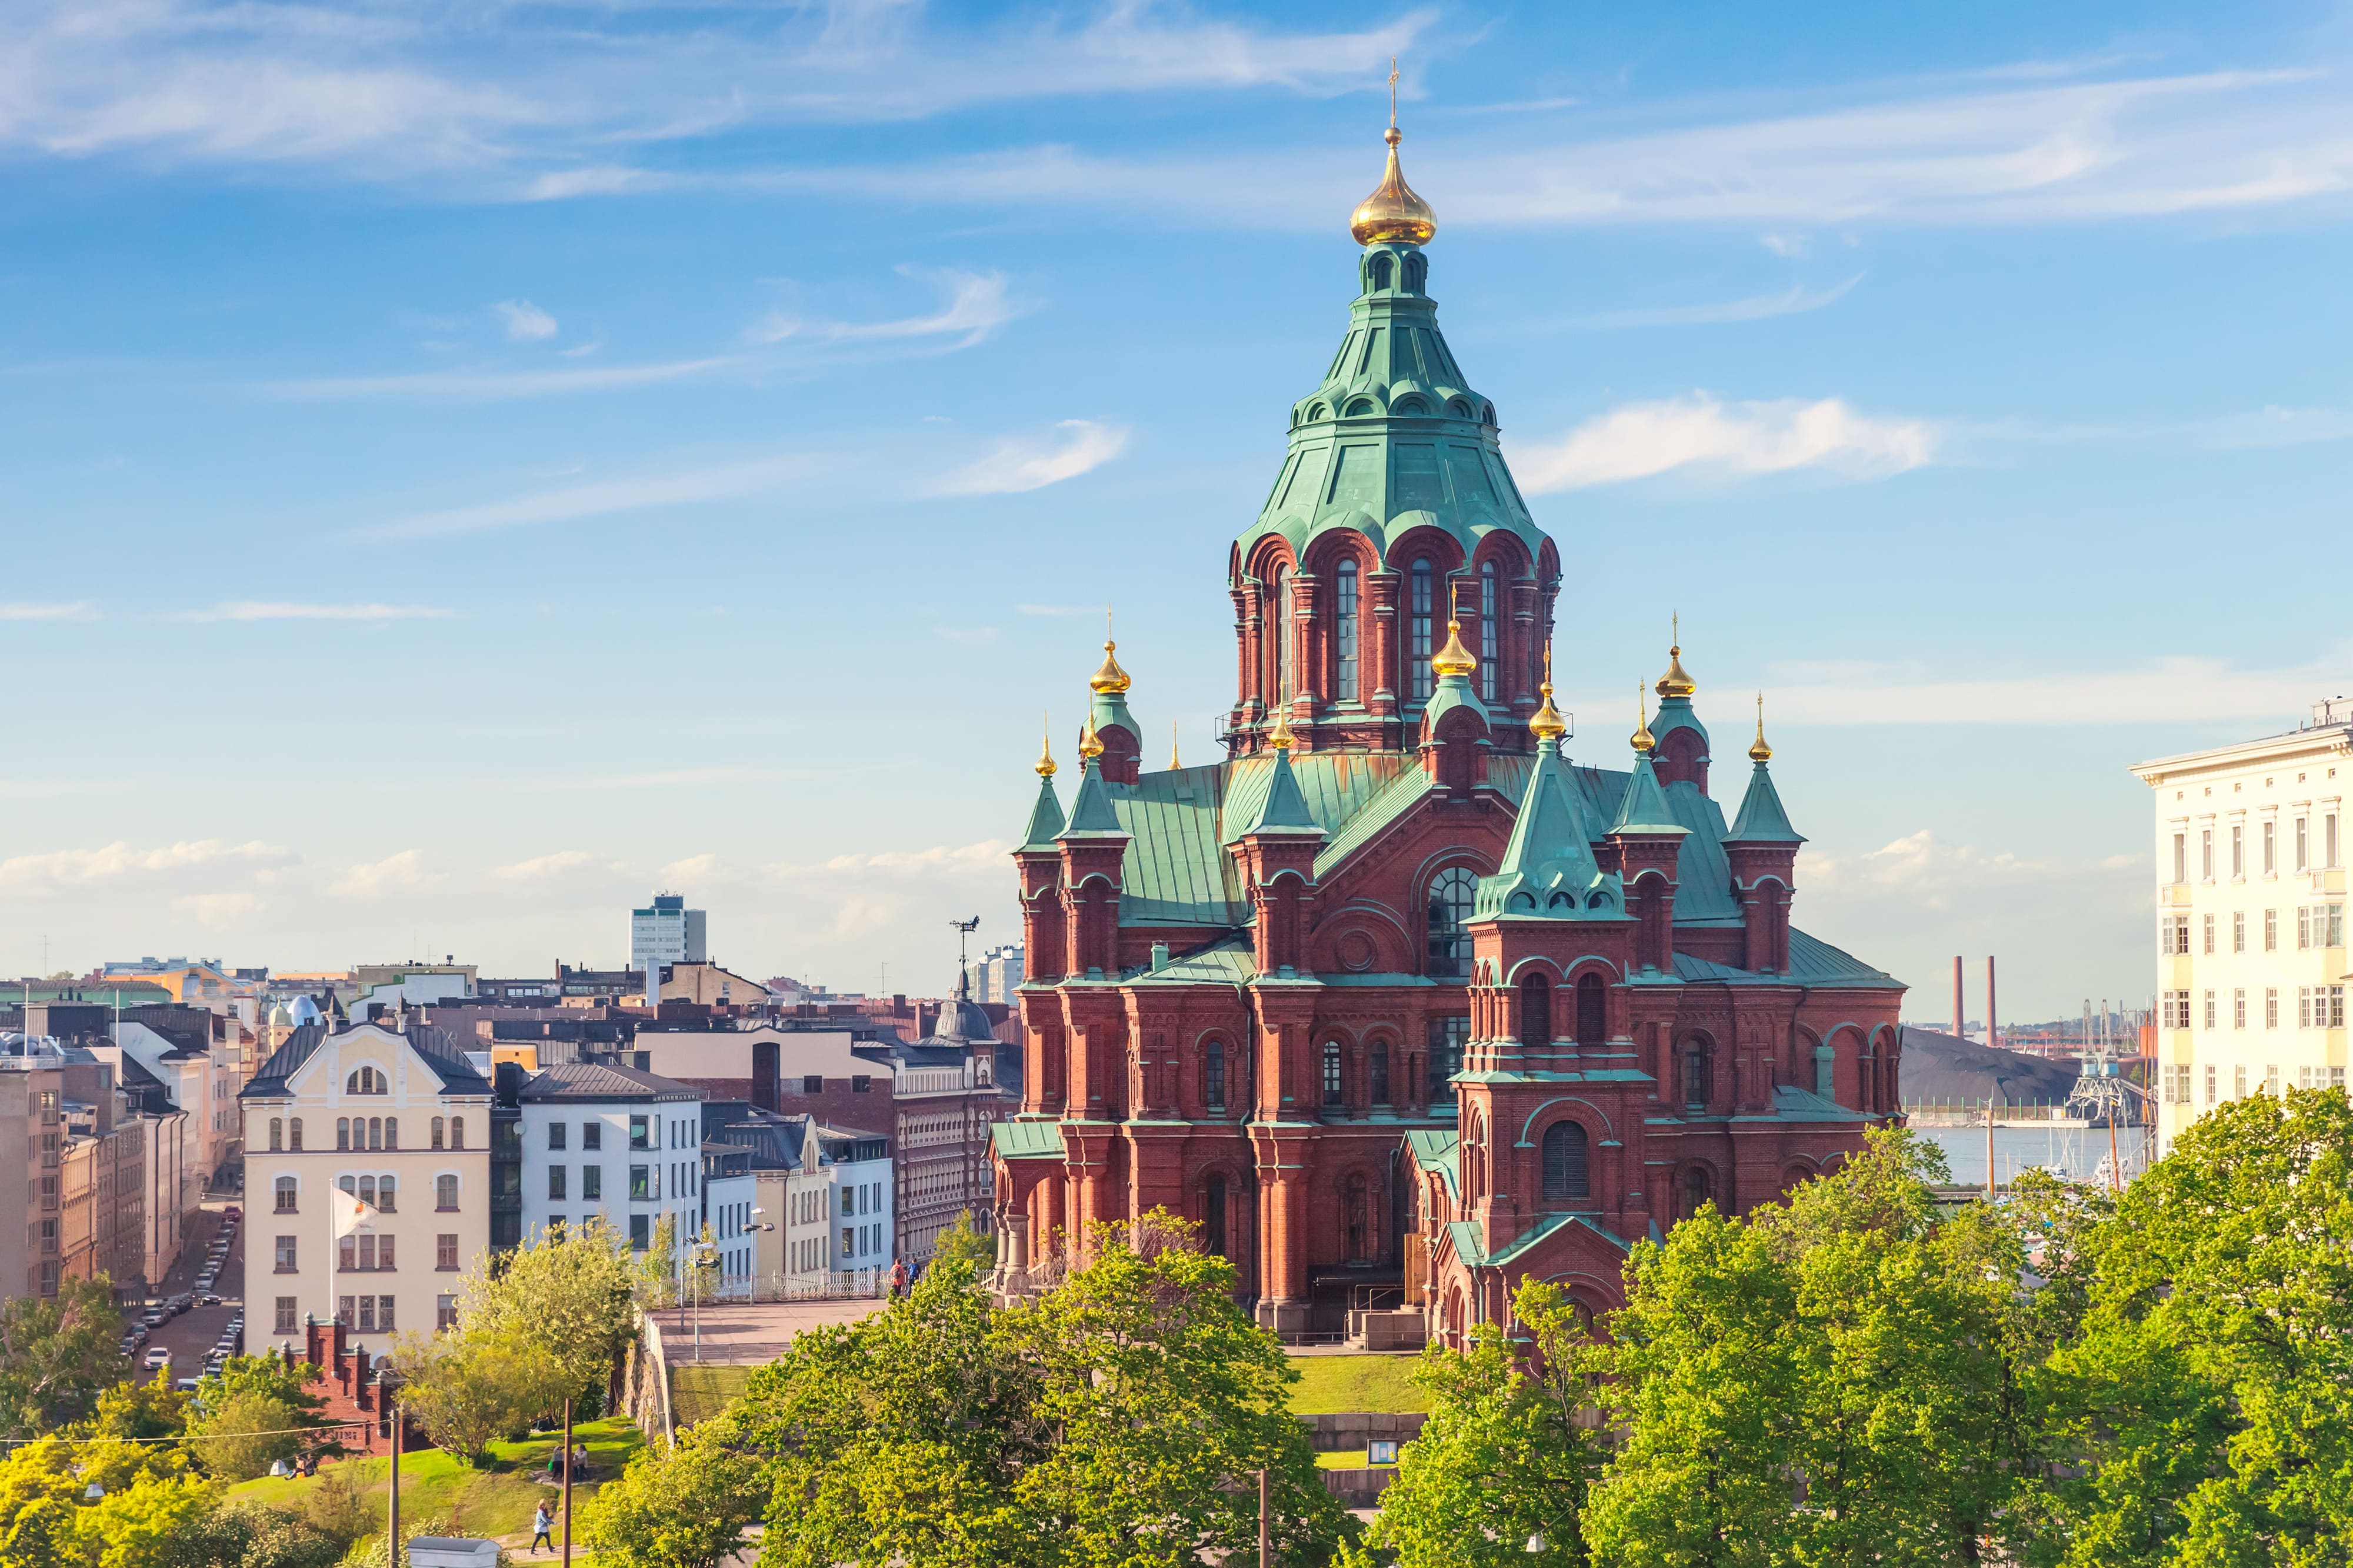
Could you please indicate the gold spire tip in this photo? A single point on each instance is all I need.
(1642, 739)
(1174, 761)
(1109, 679)
(1677, 681)
(1280, 738)
(1454, 658)
(1545, 723)
(1758, 752)
(1046, 769)
(1090, 744)
(1393, 213)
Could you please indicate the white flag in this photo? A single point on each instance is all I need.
(351, 1215)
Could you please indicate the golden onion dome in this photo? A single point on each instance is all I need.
(1393, 213)
(1642, 739)
(1758, 752)
(1676, 682)
(1090, 744)
(1281, 737)
(1110, 678)
(1046, 751)
(1454, 658)
(1545, 723)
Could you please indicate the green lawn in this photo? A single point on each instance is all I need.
(496, 1500)
(1328, 1384)
(699, 1391)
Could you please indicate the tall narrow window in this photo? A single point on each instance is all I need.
(440, 1131)
(457, 1132)
(2181, 857)
(1487, 632)
(1592, 1011)
(1420, 605)
(294, 1134)
(1696, 1088)
(2238, 851)
(1344, 632)
(1381, 1073)
(2328, 825)
(343, 1131)
(1567, 1164)
(2271, 847)
(2302, 848)
(1278, 597)
(1213, 1086)
(1535, 1011)
(1331, 1086)
(1446, 1037)
(2205, 854)
(1213, 1229)
(276, 1133)
(1450, 893)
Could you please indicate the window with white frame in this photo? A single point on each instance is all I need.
(2238, 931)
(2271, 1007)
(2238, 1008)
(2205, 854)
(2206, 933)
(2237, 852)
(2209, 1009)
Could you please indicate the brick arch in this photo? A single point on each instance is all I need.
(1596, 1119)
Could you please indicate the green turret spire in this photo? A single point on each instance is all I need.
(1091, 809)
(1644, 809)
(1046, 816)
(1761, 819)
(1549, 866)
(1284, 809)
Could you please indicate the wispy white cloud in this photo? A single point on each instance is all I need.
(73, 868)
(544, 867)
(279, 610)
(973, 305)
(604, 498)
(75, 610)
(1080, 445)
(217, 911)
(491, 384)
(1793, 245)
(1705, 434)
(524, 321)
(2178, 690)
(394, 874)
(1793, 302)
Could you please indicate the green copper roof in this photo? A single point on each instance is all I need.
(1091, 814)
(1761, 819)
(1675, 713)
(1027, 1140)
(1045, 818)
(1284, 808)
(1110, 708)
(1453, 691)
(1548, 866)
(1643, 808)
(1435, 1149)
(1394, 439)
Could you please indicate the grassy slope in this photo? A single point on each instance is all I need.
(698, 1393)
(494, 1501)
(1328, 1384)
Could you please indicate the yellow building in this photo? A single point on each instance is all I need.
(2251, 954)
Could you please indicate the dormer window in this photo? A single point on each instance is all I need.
(366, 1080)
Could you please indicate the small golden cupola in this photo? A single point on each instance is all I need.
(1453, 659)
(1676, 682)
(1640, 738)
(1046, 751)
(1393, 213)
(1545, 723)
(1758, 752)
(1090, 744)
(1110, 679)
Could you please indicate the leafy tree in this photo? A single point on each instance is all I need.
(657, 1275)
(43, 1487)
(468, 1388)
(576, 1294)
(248, 1534)
(57, 1354)
(1503, 1457)
(1161, 1395)
(157, 1521)
(2208, 1401)
(1118, 1420)
(961, 1242)
(139, 1410)
(245, 1433)
(685, 1507)
(268, 1377)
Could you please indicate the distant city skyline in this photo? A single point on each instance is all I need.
(399, 417)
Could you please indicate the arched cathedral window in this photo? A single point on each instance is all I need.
(1566, 1166)
(1278, 613)
(1535, 1011)
(1451, 892)
(1344, 631)
(1420, 606)
(1487, 632)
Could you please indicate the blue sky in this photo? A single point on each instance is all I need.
(464, 465)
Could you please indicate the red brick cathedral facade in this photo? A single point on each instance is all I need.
(1399, 1000)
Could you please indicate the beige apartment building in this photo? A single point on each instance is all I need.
(399, 1125)
(2251, 946)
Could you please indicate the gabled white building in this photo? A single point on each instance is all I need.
(603, 1139)
(398, 1122)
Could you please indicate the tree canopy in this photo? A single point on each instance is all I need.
(57, 1354)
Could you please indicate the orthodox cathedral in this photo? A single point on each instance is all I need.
(1399, 1001)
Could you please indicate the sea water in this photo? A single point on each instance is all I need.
(2074, 1153)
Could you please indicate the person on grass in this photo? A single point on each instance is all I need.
(540, 1523)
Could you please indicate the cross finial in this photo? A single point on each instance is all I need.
(1675, 636)
(1393, 81)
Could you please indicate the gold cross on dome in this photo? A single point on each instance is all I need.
(1393, 81)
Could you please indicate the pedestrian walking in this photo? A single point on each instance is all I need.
(898, 1278)
(540, 1523)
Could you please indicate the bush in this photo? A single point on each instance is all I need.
(245, 1434)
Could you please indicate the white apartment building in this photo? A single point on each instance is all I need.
(1000, 974)
(398, 1123)
(666, 931)
(2250, 950)
(603, 1139)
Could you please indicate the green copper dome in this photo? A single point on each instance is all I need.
(1394, 438)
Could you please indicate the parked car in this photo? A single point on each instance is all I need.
(208, 1300)
(185, 1385)
(159, 1358)
(155, 1319)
